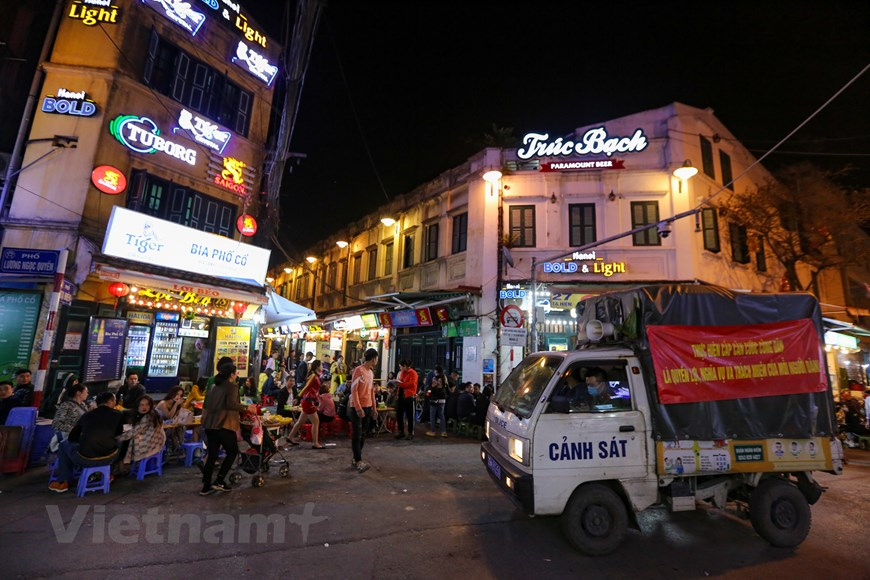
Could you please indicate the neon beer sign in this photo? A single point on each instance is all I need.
(179, 12)
(104, 12)
(255, 63)
(140, 134)
(203, 131)
(593, 142)
(69, 103)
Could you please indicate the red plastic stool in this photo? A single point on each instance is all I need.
(305, 432)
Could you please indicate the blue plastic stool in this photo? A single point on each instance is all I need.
(148, 466)
(188, 435)
(52, 466)
(190, 450)
(101, 483)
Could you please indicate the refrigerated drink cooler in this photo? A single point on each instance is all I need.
(138, 337)
(165, 352)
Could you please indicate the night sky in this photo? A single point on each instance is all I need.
(417, 85)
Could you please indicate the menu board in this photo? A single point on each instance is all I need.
(105, 352)
(234, 342)
(19, 312)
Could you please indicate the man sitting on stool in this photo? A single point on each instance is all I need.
(91, 442)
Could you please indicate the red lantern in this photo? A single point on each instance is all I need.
(118, 289)
(240, 308)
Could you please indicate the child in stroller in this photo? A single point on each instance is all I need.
(261, 449)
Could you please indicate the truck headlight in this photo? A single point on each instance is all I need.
(486, 428)
(516, 449)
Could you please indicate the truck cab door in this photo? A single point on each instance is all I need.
(582, 437)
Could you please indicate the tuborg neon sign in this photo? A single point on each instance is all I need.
(140, 134)
(593, 142)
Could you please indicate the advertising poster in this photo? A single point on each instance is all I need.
(105, 352)
(19, 312)
(234, 342)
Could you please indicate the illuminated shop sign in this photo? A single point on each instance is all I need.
(141, 135)
(586, 263)
(247, 225)
(169, 297)
(233, 17)
(144, 239)
(179, 12)
(91, 12)
(69, 103)
(514, 291)
(203, 131)
(231, 173)
(255, 63)
(836, 339)
(593, 165)
(109, 179)
(593, 142)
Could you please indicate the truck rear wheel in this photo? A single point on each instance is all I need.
(595, 520)
(780, 513)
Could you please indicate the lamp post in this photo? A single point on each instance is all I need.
(493, 184)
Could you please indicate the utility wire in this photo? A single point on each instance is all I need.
(356, 117)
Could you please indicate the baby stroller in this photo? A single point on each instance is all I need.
(256, 459)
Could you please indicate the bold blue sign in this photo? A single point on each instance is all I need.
(563, 267)
(168, 316)
(26, 261)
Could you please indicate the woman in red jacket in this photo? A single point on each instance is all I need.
(310, 397)
(407, 397)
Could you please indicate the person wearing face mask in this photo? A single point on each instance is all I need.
(310, 397)
(597, 387)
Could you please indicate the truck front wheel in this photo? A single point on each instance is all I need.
(780, 513)
(595, 520)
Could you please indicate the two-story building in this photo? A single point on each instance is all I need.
(447, 279)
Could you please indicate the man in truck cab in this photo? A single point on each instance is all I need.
(597, 387)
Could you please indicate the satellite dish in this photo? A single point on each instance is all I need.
(506, 252)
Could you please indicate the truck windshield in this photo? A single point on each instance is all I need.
(521, 390)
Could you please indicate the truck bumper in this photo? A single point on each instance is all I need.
(518, 486)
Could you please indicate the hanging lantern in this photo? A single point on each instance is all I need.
(239, 308)
(118, 289)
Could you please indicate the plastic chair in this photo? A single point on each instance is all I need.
(24, 417)
(148, 466)
(100, 483)
(305, 432)
(190, 450)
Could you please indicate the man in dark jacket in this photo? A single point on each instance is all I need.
(130, 391)
(302, 373)
(91, 442)
(465, 408)
(23, 387)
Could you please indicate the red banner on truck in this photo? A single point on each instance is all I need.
(714, 363)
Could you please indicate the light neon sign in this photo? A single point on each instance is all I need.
(91, 16)
(593, 142)
(140, 134)
(69, 103)
(203, 131)
(255, 63)
(180, 13)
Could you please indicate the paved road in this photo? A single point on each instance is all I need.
(426, 510)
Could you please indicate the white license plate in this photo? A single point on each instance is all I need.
(494, 467)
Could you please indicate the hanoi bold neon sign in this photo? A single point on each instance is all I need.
(140, 134)
(69, 103)
(593, 142)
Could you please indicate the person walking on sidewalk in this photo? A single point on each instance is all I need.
(437, 400)
(407, 397)
(310, 396)
(364, 410)
(221, 421)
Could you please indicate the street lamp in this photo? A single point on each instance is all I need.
(341, 244)
(388, 221)
(684, 172)
(310, 259)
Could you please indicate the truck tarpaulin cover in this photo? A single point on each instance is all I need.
(722, 364)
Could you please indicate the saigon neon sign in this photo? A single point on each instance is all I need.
(203, 131)
(593, 142)
(140, 134)
(232, 176)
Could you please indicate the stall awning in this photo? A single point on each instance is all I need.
(168, 279)
(279, 311)
(414, 300)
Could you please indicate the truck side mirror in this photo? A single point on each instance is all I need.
(559, 404)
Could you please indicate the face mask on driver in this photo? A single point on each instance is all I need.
(592, 390)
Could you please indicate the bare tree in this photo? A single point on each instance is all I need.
(806, 218)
